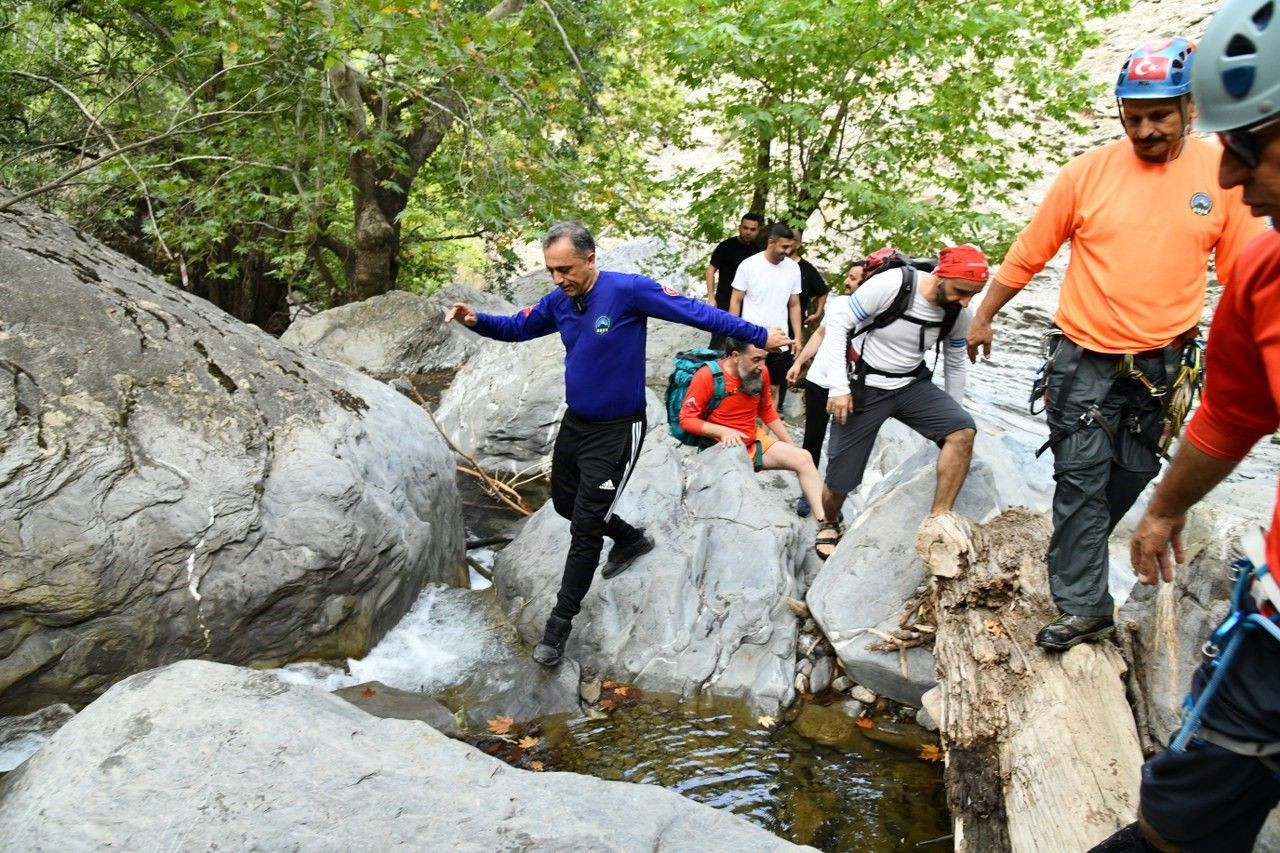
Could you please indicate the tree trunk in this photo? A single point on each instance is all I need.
(1042, 752)
(760, 193)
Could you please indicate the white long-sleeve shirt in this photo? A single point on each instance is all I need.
(894, 348)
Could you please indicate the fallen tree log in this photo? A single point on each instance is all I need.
(1042, 752)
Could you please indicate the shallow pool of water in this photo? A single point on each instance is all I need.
(868, 797)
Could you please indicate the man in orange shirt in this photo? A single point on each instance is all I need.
(1142, 215)
(733, 422)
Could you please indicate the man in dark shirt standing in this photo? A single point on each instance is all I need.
(601, 317)
(813, 289)
(725, 259)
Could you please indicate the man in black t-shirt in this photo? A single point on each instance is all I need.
(725, 259)
(813, 289)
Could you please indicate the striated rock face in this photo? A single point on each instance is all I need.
(174, 483)
(201, 756)
(396, 332)
(706, 608)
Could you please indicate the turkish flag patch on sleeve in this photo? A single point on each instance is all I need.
(669, 290)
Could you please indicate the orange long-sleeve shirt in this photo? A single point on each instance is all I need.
(1141, 234)
(1241, 401)
(736, 411)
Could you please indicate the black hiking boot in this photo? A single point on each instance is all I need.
(621, 556)
(1067, 631)
(1127, 840)
(549, 651)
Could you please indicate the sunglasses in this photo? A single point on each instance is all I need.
(1245, 145)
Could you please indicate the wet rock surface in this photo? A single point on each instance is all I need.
(202, 755)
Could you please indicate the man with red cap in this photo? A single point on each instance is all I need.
(872, 360)
(1142, 215)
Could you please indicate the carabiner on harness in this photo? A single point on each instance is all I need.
(1039, 382)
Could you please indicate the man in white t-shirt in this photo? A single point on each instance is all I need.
(767, 286)
(888, 378)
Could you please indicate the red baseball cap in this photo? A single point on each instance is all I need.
(964, 261)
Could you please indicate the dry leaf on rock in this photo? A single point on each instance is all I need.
(527, 742)
(930, 752)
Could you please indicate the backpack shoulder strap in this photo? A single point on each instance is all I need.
(718, 393)
(901, 302)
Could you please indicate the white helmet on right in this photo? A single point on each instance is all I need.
(1236, 77)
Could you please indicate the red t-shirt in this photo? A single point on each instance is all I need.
(738, 410)
(1241, 400)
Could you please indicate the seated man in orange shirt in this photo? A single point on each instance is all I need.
(734, 421)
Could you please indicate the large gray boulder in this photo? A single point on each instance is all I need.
(174, 483)
(866, 583)
(395, 333)
(204, 756)
(705, 610)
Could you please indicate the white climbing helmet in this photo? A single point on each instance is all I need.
(1236, 78)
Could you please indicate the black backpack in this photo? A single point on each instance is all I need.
(878, 262)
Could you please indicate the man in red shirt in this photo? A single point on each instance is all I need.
(1215, 793)
(734, 421)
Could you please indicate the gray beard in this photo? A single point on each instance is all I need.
(753, 385)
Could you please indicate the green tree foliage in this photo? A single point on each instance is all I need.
(334, 147)
(909, 121)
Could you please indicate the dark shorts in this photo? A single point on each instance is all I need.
(778, 363)
(1207, 799)
(923, 406)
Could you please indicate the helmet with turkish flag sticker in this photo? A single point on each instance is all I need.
(1158, 69)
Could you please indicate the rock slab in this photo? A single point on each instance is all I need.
(200, 755)
(175, 483)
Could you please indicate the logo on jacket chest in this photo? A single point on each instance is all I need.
(1201, 204)
(603, 324)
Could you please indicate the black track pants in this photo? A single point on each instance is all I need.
(589, 469)
(816, 418)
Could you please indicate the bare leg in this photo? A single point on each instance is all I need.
(788, 457)
(953, 467)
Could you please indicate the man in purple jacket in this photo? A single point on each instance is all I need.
(600, 316)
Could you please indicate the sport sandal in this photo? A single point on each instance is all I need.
(829, 533)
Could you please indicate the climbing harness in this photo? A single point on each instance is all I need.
(1220, 650)
(1185, 387)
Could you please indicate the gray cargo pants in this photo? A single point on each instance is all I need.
(1100, 466)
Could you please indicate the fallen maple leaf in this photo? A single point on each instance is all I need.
(609, 685)
(367, 692)
(623, 691)
(500, 725)
(536, 766)
(994, 628)
(767, 721)
(527, 742)
(865, 723)
(930, 752)
(608, 704)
